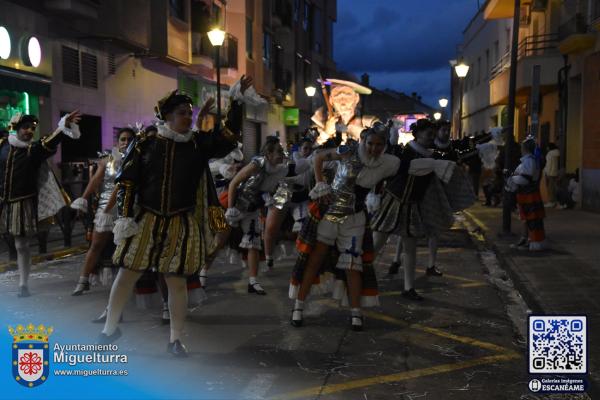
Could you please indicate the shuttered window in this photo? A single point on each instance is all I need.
(70, 65)
(89, 70)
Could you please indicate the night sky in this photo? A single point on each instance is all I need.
(403, 45)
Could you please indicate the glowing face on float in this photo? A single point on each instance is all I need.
(344, 100)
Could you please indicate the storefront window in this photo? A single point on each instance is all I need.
(12, 102)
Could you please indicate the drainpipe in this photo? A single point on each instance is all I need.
(563, 109)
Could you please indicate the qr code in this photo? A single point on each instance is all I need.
(557, 344)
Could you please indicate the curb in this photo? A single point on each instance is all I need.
(56, 255)
(508, 265)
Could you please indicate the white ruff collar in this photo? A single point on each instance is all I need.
(420, 149)
(14, 141)
(168, 133)
(367, 161)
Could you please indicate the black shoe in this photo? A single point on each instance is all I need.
(80, 288)
(23, 291)
(394, 268)
(270, 264)
(297, 322)
(412, 295)
(103, 338)
(433, 271)
(177, 349)
(357, 323)
(256, 288)
(102, 318)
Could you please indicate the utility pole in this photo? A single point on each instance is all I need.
(507, 204)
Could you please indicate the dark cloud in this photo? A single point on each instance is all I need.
(403, 44)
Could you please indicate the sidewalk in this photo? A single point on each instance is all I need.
(55, 246)
(565, 279)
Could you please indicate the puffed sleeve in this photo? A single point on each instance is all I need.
(127, 180)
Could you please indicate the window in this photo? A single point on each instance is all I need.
(89, 70)
(487, 63)
(478, 70)
(249, 43)
(496, 54)
(177, 9)
(330, 44)
(70, 66)
(296, 10)
(112, 64)
(306, 16)
(267, 49)
(80, 68)
(316, 31)
(216, 15)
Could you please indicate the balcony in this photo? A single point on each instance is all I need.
(201, 47)
(497, 9)
(533, 50)
(74, 8)
(574, 36)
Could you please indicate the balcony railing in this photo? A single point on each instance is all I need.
(575, 25)
(201, 46)
(530, 46)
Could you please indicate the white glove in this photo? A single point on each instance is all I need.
(321, 189)
(373, 202)
(80, 204)
(233, 216)
(268, 199)
(72, 130)
(124, 228)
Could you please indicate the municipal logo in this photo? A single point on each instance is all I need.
(30, 354)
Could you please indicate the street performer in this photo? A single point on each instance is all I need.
(340, 220)
(166, 176)
(26, 180)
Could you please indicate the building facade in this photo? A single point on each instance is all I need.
(556, 86)
(114, 59)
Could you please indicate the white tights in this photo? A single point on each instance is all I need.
(23, 259)
(408, 247)
(122, 288)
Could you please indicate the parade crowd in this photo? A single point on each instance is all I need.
(168, 197)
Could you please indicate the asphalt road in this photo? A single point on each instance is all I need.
(459, 343)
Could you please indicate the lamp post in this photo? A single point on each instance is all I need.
(461, 70)
(437, 115)
(310, 92)
(443, 102)
(217, 37)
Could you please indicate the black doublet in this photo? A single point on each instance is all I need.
(20, 166)
(164, 174)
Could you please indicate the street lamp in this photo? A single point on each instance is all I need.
(461, 70)
(437, 116)
(443, 102)
(217, 37)
(310, 91)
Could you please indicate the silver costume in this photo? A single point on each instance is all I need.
(344, 188)
(249, 194)
(108, 183)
